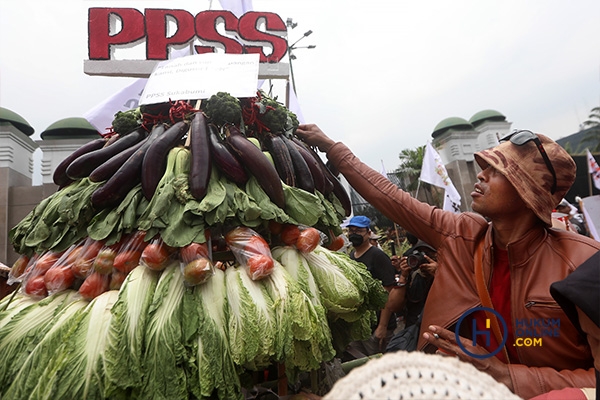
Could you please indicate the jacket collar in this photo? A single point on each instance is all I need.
(520, 250)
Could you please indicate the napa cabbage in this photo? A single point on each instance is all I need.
(25, 329)
(251, 321)
(164, 352)
(126, 334)
(211, 371)
(69, 361)
(303, 339)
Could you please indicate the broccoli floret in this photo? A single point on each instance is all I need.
(275, 116)
(222, 108)
(127, 121)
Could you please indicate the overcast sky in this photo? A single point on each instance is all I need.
(381, 77)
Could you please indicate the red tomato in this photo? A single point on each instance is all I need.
(337, 243)
(155, 256)
(126, 261)
(103, 264)
(91, 249)
(260, 266)
(275, 227)
(36, 287)
(197, 271)
(46, 261)
(116, 279)
(289, 234)
(257, 245)
(135, 240)
(82, 268)
(94, 285)
(193, 251)
(308, 240)
(73, 255)
(19, 266)
(59, 278)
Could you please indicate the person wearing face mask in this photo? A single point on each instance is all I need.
(496, 264)
(381, 268)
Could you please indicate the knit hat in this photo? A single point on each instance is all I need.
(525, 168)
(418, 376)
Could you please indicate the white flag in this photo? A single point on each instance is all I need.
(237, 7)
(593, 169)
(434, 172)
(101, 116)
(383, 171)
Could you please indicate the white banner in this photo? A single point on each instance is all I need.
(202, 75)
(434, 172)
(590, 207)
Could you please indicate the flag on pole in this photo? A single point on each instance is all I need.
(101, 116)
(593, 169)
(434, 172)
(237, 7)
(383, 171)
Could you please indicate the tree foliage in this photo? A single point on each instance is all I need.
(592, 125)
(409, 169)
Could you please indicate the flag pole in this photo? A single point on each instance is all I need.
(590, 180)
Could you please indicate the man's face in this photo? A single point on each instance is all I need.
(364, 232)
(494, 196)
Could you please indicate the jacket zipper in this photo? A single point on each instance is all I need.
(549, 304)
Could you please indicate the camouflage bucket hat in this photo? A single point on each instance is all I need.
(538, 168)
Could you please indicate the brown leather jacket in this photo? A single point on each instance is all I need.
(539, 258)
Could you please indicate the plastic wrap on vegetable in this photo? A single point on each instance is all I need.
(251, 251)
(94, 285)
(83, 265)
(33, 281)
(157, 254)
(195, 263)
(60, 275)
(130, 252)
(104, 261)
(309, 239)
(19, 268)
(304, 238)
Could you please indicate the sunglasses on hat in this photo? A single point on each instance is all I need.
(519, 138)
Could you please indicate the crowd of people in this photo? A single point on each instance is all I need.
(494, 276)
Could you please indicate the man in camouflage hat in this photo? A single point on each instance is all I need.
(504, 254)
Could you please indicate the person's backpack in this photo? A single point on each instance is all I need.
(406, 339)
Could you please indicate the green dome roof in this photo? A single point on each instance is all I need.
(448, 123)
(70, 128)
(16, 120)
(486, 115)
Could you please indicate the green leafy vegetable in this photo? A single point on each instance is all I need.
(21, 333)
(69, 361)
(164, 353)
(252, 324)
(211, 370)
(126, 334)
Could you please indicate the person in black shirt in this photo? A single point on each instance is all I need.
(380, 267)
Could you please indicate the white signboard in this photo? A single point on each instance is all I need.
(202, 75)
